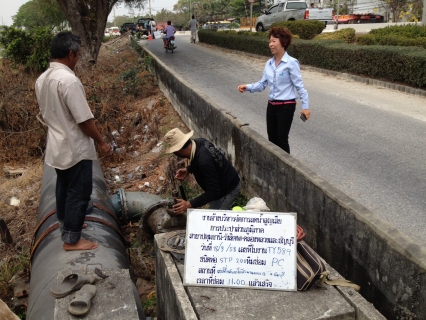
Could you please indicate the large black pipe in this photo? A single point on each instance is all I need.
(49, 257)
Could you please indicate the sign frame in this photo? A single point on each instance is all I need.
(241, 249)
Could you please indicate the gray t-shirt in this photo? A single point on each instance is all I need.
(193, 24)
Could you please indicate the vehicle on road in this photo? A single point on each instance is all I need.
(106, 33)
(128, 26)
(142, 25)
(321, 14)
(282, 11)
(170, 44)
(360, 18)
(114, 31)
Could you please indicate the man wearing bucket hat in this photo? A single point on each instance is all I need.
(213, 172)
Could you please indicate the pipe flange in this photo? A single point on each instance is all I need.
(123, 200)
(150, 211)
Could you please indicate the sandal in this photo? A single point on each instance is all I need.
(80, 304)
(70, 283)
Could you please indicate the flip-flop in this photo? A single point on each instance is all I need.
(80, 304)
(71, 283)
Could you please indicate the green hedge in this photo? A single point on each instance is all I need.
(392, 40)
(346, 34)
(405, 65)
(406, 35)
(396, 64)
(409, 31)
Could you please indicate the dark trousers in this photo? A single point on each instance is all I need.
(278, 123)
(73, 190)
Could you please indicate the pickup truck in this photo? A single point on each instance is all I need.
(282, 11)
(142, 24)
(325, 15)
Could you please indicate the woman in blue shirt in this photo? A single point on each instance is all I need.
(282, 75)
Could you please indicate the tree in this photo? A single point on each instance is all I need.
(40, 13)
(163, 15)
(88, 19)
(120, 20)
(395, 7)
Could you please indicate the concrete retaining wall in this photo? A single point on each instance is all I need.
(361, 246)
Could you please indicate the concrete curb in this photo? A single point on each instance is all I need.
(172, 300)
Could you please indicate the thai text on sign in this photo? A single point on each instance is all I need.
(242, 249)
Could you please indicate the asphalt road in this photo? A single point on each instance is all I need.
(367, 141)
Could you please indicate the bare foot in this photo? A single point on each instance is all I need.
(81, 244)
(84, 226)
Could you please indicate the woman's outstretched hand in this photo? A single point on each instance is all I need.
(242, 88)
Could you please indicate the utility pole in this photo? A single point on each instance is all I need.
(424, 13)
(251, 16)
(150, 9)
(336, 23)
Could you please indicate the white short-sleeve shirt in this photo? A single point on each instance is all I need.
(62, 101)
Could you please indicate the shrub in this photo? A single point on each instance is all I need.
(17, 45)
(347, 35)
(40, 57)
(406, 35)
(409, 31)
(31, 50)
(305, 29)
(366, 39)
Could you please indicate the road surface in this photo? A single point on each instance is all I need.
(367, 141)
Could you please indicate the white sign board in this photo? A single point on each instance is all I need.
(241, 249)
(158, 35)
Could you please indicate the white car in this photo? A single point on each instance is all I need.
(106, 33)
(114, 31)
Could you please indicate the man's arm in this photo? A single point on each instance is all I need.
(89, 128)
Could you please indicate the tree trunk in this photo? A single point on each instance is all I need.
(88, 19)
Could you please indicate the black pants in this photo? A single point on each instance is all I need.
(73, 190)
(278, 123)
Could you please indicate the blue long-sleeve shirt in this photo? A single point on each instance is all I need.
(282, 81)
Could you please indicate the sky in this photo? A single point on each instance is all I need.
(9, 8)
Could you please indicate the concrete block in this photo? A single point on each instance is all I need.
(114, 298)
(172, 301)
(207, 303)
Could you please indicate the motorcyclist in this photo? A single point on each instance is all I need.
(170, 32)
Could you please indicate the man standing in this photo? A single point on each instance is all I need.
(71, 131)
(213, 172)
(193, 26)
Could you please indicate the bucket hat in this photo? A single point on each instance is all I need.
(175, 139)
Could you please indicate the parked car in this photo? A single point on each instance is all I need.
(128, 26)
(283, 11)
(114, 31)
(106, 33)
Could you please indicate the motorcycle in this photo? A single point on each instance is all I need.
(170, 44)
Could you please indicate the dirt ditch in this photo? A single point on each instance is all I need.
(130, 111)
